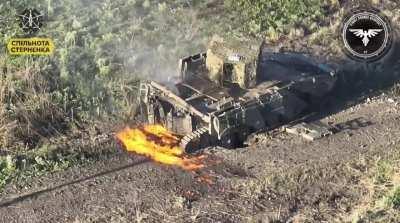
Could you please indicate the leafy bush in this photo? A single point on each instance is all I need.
(7, 168)
(44, 159)
(394, 199)
(276, 15)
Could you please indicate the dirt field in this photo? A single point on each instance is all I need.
(280, 178)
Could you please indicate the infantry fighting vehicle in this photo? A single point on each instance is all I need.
(233, 90)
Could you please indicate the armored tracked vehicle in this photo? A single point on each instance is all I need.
(233, 90)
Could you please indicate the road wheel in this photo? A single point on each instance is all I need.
(231, 141)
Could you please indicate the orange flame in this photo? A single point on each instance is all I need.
(160, 145)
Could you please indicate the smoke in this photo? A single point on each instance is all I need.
(151, 64)
(159, 34)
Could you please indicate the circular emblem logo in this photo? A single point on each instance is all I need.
(366, 35)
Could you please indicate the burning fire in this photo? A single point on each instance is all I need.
(160, 145)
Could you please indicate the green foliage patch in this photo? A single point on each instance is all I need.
(7, 167)
(22, 166)
(394, 199)
(277, 15)
(384, 171)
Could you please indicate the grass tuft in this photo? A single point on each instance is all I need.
(384, 171)
(393, 200)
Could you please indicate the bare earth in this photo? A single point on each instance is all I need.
(280, 178)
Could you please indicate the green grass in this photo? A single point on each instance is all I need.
(393, 200)
(384, 202)
(21, 166)
(384, 171)
(7, 168)
(26, 165)
(275, 16)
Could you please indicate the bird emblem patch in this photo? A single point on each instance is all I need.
(366, 35)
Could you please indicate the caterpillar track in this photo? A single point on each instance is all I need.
(197, 140)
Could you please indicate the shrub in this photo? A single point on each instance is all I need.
(384, 170)
(7, 167)
(394, 199)
(276, 15)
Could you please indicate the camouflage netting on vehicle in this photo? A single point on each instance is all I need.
(233, 61)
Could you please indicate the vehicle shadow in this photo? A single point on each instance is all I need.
(11, 201)
(352, 124)
(357, 82)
